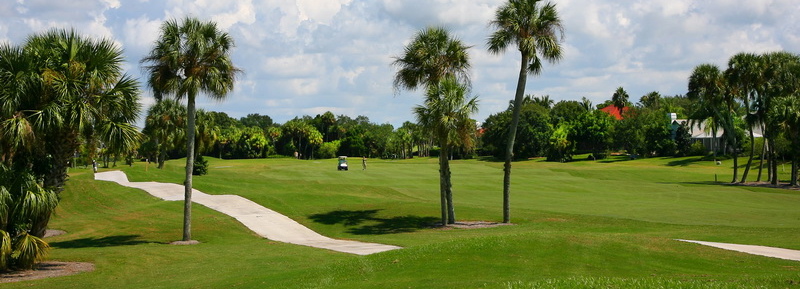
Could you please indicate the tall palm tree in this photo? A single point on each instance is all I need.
(743, 76)
(787, 117)
(191, 57)
(706, 89)
(432, 56)
(537, 32)
(55, 90)
(620, 99)
(780, 80)
(446, 114)
(717, 100)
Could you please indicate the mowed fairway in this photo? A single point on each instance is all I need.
(577, 225)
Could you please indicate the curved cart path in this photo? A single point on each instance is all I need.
(264, 222)
(773, 252)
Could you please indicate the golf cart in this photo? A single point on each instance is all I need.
(342, 163)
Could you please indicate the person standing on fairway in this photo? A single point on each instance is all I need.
(363, 163)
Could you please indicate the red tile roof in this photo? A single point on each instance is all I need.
(614, 111)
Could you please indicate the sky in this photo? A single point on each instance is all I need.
(306, 57)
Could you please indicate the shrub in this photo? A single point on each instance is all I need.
(200, 166)
(27, 204)
(328, 150)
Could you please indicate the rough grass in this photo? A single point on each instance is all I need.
(588, 224)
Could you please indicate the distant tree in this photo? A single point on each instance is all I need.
(165, 126)
(543, 101)
(190, 57)
(257, 120)
(683, 140)
(706, 88)
(620, 99)
(302, 136)
(587, 104)
(593, 131)
(650, 100)
(533, 133)
(207, 132)
(561, 148)
(325, 124)
(658, 140)
(536, 31)
(566, 111)
(223, 121)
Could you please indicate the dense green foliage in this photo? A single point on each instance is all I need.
(60, 93)
(533, 132)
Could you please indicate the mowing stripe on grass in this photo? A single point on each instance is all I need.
(264, 222)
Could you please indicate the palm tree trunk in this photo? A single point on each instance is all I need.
(512, 134)
(187, 202)
(761, 159)
(735, 158)
(773, 164)
(448, 186)
(442, 186)
(750, 159)
(795, 163)
(714, 142)
(732, 136)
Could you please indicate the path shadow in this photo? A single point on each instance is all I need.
(365, 222)
(109, 241)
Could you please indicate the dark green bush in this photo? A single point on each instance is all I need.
(200, 166)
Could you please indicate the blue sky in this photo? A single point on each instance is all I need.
(305, 57)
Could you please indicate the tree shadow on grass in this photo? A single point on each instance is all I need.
(684, 162)
(109, 241)
(365, 222)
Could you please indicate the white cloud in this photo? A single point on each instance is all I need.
(140, 33)
(307, 56)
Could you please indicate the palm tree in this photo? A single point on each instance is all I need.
(743, 76)
(57, 89)
(23, 201)
(620, 99)
(165, 126)
(446, 114)
(706, 89)
(717, 101)
(650, 100)
(190, 57)
(432, 56)
(787, 117)
(537, 32)
(543, 101)
(207, 132)
(780, 79)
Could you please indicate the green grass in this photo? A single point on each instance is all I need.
(587, 224)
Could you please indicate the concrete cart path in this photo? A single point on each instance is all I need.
(264, 222)
(773, 252)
